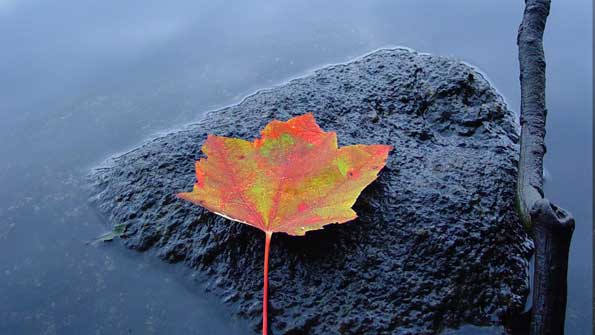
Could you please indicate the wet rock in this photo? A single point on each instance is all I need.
(437, 243)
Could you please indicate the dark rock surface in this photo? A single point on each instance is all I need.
(437, 243)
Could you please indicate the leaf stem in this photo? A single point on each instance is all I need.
(265, 295)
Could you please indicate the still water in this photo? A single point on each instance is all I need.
(82, 80)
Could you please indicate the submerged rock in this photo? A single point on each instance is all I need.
(437, 243)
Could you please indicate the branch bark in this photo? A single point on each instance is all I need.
(533, 110)
(552, 227)
(552, 231)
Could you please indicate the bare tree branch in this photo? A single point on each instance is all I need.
(552, 226)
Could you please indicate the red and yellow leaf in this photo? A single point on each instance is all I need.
(293, 179)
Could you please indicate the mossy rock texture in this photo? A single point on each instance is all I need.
(437, 243)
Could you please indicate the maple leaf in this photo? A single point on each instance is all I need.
(292, 179)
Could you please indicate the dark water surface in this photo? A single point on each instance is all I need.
(82, 80)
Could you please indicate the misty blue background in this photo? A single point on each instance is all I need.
(82, 80)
